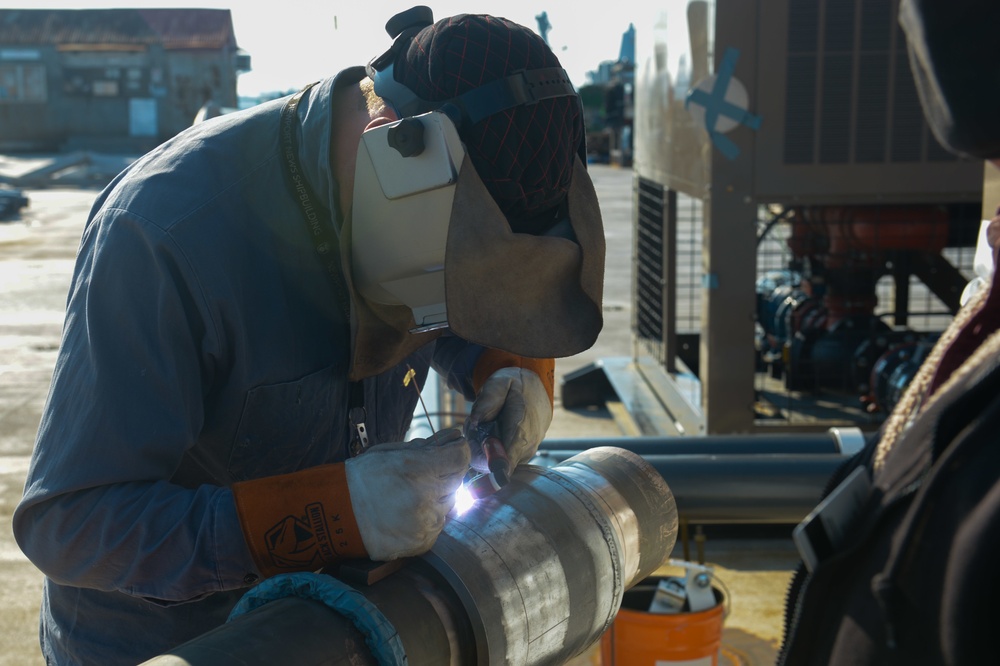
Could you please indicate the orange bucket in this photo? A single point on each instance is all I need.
(639, 638)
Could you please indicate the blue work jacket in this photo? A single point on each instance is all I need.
(203, 344)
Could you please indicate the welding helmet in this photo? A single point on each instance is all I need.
(955, 59)
(449, 227)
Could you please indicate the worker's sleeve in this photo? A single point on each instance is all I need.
(268, 510)
(125, 403)
(455, 360)
(467, 366)
(492, 360)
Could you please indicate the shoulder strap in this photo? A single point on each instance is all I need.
(319, 226)
(319, 222)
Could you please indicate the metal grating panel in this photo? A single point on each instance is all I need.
(873, 97)
(689, 275)
(850, 95)
(908, 126)
(668, 270)
(649, 324)
(835, 109)
(800, 95)
(835, 105)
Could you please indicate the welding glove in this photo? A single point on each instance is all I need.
(387, 503)
(402, 492)
(518, 397)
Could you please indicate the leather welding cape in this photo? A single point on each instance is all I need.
(534, 296)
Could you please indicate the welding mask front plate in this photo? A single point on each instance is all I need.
(402, 209)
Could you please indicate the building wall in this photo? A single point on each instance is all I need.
(26, 114)
(196, 77)
(123, 100)
(110, 98)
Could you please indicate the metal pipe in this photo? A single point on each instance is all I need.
(290, 630)
(533, 574)
(730, 479)
(739, 488)
(576, 539)
(844, 441)
(666, 446)
(420, 604)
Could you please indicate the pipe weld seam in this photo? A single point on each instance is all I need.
(606, 531)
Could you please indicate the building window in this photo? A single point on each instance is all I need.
(21, 84)
(105, 81)
(105, 88)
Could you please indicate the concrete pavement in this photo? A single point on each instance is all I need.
(37, 252)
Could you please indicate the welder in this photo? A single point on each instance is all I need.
(250, 300)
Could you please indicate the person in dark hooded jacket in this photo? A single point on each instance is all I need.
(913, 578)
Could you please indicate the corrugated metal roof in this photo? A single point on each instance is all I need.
(191, 28)
(173, 28)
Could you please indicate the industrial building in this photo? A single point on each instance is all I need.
(120, 80)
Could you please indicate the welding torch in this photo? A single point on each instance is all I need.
(488, 436)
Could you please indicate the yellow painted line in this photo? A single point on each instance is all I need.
(623, 419)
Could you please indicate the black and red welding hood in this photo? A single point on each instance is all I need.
(433, 246)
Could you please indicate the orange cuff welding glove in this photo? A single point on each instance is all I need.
(389, 502)
(517, 393)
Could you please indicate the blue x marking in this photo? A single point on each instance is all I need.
(715, 105)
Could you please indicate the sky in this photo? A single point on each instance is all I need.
(294, 42)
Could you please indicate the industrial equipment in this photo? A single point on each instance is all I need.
(800, 237)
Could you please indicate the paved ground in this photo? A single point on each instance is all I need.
(36, 258)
